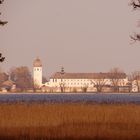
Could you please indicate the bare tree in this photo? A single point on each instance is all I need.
(1, 58)
(22, 77)
(99, 83)
(136, 5)
(2, 22)
(116, 77)
(3, 77)
(62, 86)
(135, 37)
(84, 88)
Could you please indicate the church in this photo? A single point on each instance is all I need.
(78, 82)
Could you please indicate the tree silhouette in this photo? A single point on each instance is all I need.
(22, 77)
(1, 58)
(2, 23)
(136, 5)
(117, 77)
(99, 83)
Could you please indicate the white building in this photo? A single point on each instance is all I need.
(37, 72)
(136, 85)
(78, 82)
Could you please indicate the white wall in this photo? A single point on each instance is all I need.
(80, 82)
(37, 76)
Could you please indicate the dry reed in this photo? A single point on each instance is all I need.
(69, 121)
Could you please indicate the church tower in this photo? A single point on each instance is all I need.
(37, 72)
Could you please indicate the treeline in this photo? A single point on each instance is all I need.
(23, 79)
(21, 76)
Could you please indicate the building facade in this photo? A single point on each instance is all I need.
(85, 82)
(79, 82)
(37, 73)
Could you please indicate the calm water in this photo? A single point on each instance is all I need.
(72, 98)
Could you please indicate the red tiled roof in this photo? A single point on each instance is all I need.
(59, 75)
(8, 83)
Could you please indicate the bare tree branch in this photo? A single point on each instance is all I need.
(99, 83)
(135, 37)
(116, 76)
(1, 1)
(1, 58)
(2, 22)
(135, 4)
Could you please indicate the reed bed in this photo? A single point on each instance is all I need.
(42, 121)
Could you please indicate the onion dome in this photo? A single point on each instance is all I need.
(37, 63)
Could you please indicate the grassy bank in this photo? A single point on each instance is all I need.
(69, 121)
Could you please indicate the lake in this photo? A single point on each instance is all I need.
(71, 98)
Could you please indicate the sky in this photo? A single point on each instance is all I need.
(80, 35)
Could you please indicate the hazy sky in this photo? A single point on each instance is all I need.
(81, 35)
